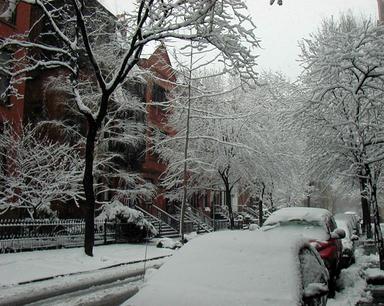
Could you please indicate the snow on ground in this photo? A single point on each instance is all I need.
(373, 273)
(352, 282)
(27, 266)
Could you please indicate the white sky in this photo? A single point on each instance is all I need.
(281, 27)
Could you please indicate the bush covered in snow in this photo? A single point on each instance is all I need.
(131, 224)
(169, 243)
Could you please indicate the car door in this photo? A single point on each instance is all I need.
(338, 243)
(314, 277)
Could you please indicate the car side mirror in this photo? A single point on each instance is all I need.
(314, 290)
(354, 237)
(338, 234)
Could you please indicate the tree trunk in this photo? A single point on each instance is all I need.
(376, 219)
(228, 202)
(185, 174)
(89, 209)
(365, 205)
(261, 199)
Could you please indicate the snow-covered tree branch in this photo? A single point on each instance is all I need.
(37, 172)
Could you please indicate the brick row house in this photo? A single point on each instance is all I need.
(13, 20)
(37, 102)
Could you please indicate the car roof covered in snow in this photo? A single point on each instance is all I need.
(287, 214)
(229, 268)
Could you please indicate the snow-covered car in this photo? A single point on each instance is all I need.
(315, 224)
(356, 221)
(347, 223)
(239, 268)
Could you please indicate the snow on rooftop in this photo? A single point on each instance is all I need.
(228, 268)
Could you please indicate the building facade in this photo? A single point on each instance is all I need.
(14, 19)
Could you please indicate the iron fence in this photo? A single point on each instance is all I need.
(21, 235)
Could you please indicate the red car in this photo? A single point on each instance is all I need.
(318, 226)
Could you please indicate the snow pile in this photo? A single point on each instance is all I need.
(228, 268)
(374, 273)
(118, 211)
(169, 243)
(254, 227)
(352, 283)
(190, 236)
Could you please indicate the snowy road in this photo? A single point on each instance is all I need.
(109, 294)
(102, 287)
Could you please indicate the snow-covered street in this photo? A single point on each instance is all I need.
(114, 271)
(69, 270)
(30, 266)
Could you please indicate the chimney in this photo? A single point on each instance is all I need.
(380, 4)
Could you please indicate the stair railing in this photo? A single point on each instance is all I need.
(249, 210)
(202, 217)
(166, 217)
(197, 219)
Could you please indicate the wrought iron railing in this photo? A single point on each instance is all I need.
(198, 218)
(24, 234)
(166, 217)
(203, 217)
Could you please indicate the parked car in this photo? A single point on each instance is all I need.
(239, 268)
(318, 226)
(356, 221)
(347, 223)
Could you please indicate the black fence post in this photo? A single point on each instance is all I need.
(105, 231)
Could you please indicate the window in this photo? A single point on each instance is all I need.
(4, 78)
(8, 10)
(312, 270)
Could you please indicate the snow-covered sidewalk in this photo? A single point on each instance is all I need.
(17, 268)
(352, 282)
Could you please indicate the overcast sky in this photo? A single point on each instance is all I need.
(281, 27)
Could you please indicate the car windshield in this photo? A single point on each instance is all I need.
(294, 222)
(311, 229)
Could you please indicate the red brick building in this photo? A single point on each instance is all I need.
(160, 81)
(14, 19)
(34, 98)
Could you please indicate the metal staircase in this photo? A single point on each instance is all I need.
(250, 211)
(201, 222)
(165, 224)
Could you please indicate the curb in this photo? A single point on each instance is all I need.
(32, 295)
(88, 271)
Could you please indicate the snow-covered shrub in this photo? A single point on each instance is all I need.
(254, 227)
(169, 243)
(190, 236)
(131, 223)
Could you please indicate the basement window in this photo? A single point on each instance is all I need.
(8, 11)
